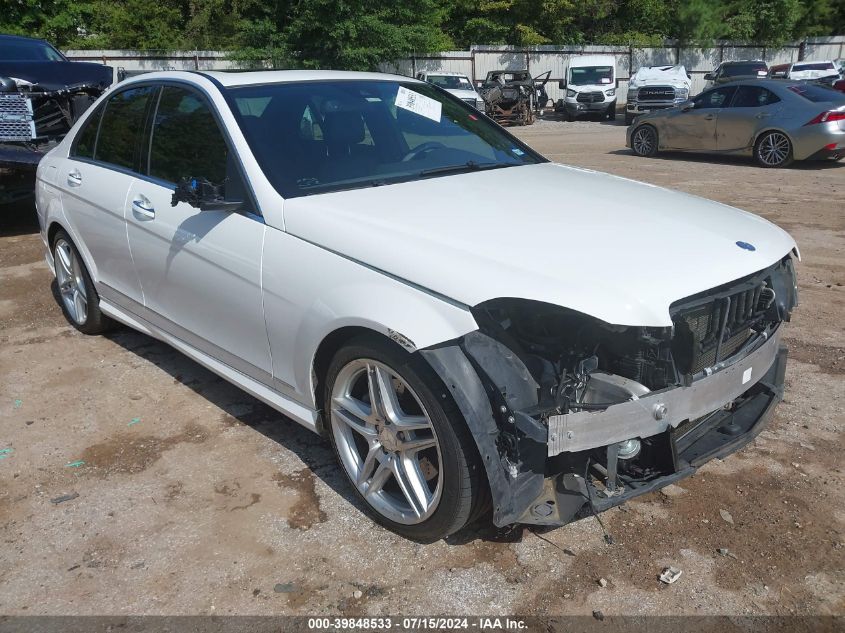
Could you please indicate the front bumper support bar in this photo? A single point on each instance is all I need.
(661, 410)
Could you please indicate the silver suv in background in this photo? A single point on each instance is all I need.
(456, 84)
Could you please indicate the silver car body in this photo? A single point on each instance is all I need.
(734, 128)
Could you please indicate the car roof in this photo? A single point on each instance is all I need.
(286, 76)
(8, 36)
(445, 73)
(734, 62)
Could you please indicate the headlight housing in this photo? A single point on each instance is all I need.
(682, 93)
(570, 92)
(632, 94)
(611, 92)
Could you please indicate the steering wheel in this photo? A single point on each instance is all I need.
(420, 150)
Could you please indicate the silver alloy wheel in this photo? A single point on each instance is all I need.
(71, 282)
(774, 149)
(643, 141)
(386, 441)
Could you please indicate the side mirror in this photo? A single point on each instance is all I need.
(202, 194)
(562, 84)
(686, 106)
(709, 77)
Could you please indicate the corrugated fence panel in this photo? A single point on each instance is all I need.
(653, 57)
(485, 61)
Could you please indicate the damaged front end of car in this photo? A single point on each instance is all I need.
(33, 114)
(572, 415)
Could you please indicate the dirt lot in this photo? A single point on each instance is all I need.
(194, 498)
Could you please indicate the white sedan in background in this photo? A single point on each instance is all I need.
(356, 251)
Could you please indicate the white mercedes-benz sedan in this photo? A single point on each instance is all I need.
(366, 254)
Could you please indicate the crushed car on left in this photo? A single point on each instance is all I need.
(42, 94)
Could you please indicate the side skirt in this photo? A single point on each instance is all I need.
(297, 412)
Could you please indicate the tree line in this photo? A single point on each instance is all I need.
(358, 34)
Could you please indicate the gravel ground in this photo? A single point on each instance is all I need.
(194, 498)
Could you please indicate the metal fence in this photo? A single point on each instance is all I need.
(476, 62)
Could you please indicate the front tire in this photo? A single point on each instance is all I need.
(773, 149)
(410, 457)
(79, 299)
(644, 141)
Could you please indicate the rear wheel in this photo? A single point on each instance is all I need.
(401, 441)
(80, 302)
(644, 141)
(773, 149)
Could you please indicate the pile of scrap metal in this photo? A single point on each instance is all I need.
(42, 94)
(513, 96)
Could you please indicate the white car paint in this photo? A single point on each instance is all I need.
(253, 300)
(545, 252)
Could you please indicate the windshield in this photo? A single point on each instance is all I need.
(797, 68)
(591, 75)
(14, 50)
(319, 136)
(450, 82)
(744, 70)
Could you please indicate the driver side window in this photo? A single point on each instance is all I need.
(187, 142)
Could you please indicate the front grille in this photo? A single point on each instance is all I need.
(590, 97)
(729, 318)
(656, 93)
(16, 123)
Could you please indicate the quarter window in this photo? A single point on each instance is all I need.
(122, 126)
(186, 141)
(87, 138)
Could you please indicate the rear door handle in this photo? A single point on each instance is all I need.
(74, 178)
(142, 208)
(709, 117)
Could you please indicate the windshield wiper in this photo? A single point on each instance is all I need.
(470, 165)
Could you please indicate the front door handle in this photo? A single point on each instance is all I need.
(74, 178)
(142, 208)
(762, 115)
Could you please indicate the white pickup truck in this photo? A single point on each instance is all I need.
(656, 88)
(456, 84)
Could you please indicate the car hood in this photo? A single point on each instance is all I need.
(675, 76)
(463, 94)
(50, 76)
(616, 249)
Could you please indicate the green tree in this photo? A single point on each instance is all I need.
(358, 35)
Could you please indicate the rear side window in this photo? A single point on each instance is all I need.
(753, 97)
(122, 126)
(186, 141)
(87, 137)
